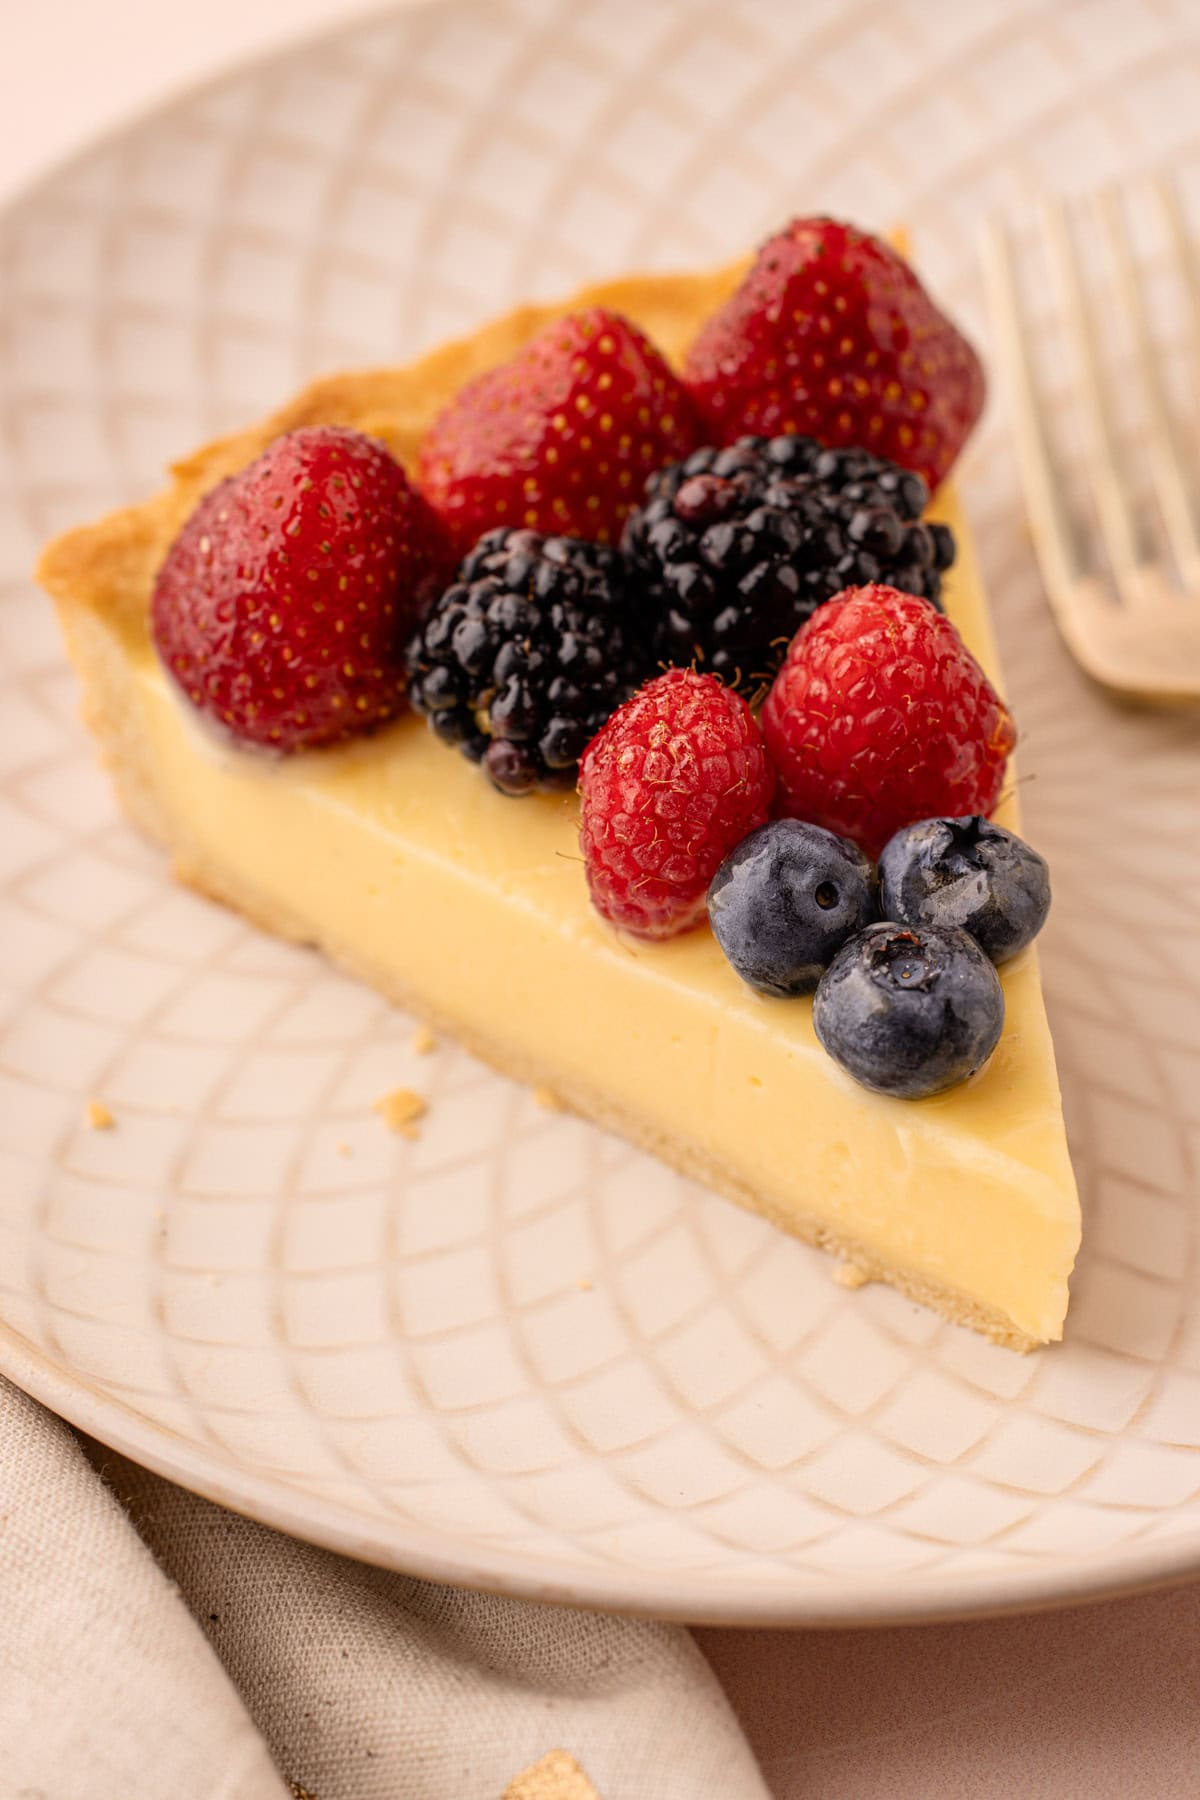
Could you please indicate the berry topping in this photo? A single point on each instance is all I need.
(832, 334)
(526, 655)
(736, 548)
(971, 873)
(909, 1011)
(784, 902)
(676, 778)
(880, 715)
(560, 439)
(282, 606)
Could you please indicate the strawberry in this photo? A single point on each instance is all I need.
(831, 334)
(282, 607)
(561, 438)
(668, 786)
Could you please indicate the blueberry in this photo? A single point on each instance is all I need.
(909, 1010)
(785, 901)
(971, 873)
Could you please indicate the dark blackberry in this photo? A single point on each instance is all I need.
(527, 654)
(736, 548)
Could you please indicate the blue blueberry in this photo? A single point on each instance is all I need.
(784, 902)
(909, 1010)
(967, 872)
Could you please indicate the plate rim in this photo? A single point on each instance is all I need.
(410, 1550)
(814, 1603)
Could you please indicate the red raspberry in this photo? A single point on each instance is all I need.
(881, 716)
(561, 438)
(282, 606)
(675, 779)
(832, 335)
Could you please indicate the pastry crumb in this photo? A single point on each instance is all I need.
(556, 1774)
(400, 1111)
(584, 1285)
(423, 1041)
(343, 1149)
(850, 1275)
(97, 1117)
(546, 1098)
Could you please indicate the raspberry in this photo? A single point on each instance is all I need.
(831, 334)
(880, 716)
(676, 778)
(282, 606)
(527, 654)
(561, 438)
(736, 548)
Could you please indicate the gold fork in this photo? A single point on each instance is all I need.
(1131, 615)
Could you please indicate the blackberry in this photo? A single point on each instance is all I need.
(526, 655)
(737, 548)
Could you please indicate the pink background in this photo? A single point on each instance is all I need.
(1100, 1701)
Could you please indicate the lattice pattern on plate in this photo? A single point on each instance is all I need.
(514, 1351)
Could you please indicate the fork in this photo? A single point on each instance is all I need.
(1131, 616)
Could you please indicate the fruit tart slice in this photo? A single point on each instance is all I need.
(591, 574)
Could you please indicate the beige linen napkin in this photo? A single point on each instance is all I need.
(155, 1647)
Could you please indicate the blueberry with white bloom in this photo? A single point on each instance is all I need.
(909, 1010)
(784, 902)
(967, 872)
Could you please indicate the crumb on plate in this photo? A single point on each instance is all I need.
(97, 1117)
(423, 1041)
(400, 1111)
(850, 1275)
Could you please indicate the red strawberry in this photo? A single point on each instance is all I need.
(282, 606)
(561, 438)
(881, 716)
(832, 335)
(675, 779)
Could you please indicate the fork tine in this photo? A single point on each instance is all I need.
(1048, 516)
(1116, 520)
(1185, 256)
(1165, 451)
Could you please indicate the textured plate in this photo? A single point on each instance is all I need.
(514, 1353)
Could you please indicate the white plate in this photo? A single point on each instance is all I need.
(392, 1352)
